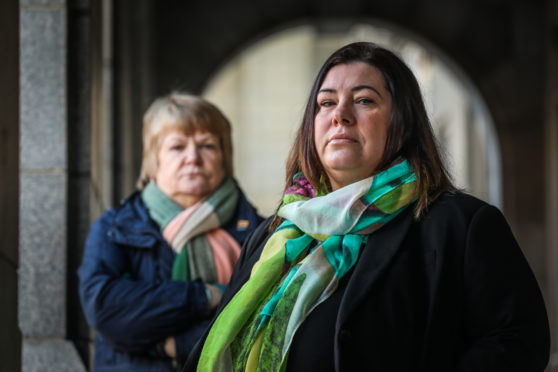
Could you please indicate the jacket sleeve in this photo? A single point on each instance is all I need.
(505, 318)
(132, 315)
(186, 340)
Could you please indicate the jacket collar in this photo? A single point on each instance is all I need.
(133, 226)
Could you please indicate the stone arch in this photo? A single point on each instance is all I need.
(500, 46)
(491, 54)
(265, 86)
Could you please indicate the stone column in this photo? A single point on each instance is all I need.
(43, 188)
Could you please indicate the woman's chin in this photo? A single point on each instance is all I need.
(192, 192)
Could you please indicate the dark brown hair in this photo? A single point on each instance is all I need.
(410, 134)
(188, 114)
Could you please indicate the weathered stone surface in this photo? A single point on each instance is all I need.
(43, 3)
(50, 355)
(42, 237)
(43, 88)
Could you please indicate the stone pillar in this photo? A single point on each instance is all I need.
(10, 337)
(43, 188)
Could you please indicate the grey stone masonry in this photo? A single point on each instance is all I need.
(43, 199)
(42, 273)
(43, 88)
(55, 355)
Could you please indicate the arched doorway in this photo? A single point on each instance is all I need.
(263, 91)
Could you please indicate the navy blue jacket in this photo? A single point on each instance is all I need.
(127, 293)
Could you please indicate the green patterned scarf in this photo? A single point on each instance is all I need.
(300, 267)
(192, 231)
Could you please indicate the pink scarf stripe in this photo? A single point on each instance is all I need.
(175, 225)
(225, 253)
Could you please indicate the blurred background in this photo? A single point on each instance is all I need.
(76, 77)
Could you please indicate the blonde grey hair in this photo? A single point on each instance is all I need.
(188, 114)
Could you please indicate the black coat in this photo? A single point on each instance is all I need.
(449, 292)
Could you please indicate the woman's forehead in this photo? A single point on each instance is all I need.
(198, 135)
(352, 75)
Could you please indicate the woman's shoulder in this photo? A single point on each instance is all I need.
(455, 207)
(258, 237)
(457, 200)
(126, 215)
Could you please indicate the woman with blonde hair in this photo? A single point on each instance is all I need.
(155, 266)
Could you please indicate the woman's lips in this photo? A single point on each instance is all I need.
(339, 139)
(191, 174)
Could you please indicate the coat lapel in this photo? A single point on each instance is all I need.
(374, 258)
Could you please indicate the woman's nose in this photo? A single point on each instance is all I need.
(343, 114)
(191, 154)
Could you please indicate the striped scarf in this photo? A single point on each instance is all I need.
(203, 249)
(300, 267)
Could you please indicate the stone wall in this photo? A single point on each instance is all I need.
(44, 166)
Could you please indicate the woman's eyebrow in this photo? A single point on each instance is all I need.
(358, 87)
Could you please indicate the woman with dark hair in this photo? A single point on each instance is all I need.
(374, 261)
(154, 267)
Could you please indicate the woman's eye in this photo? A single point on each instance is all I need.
(208, 146)
(365, 101)
(177, 147)
(326, 103)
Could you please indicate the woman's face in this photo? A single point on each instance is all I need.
(351, 126)
(189, 168)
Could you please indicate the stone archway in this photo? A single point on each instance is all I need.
(263, 91)
(191, 42)
(500, 46)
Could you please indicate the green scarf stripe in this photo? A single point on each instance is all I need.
(386, 189)
(242, 344)
(273, 341)
(162, 209)
(295, 247)
(181, 268)
(269, 307)
(289, 198)
(389, 205)
(388, 180)
(240, 308)
(224, 200)
(200, 260)
(343, 260)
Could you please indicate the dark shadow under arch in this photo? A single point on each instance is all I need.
(193, 40)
